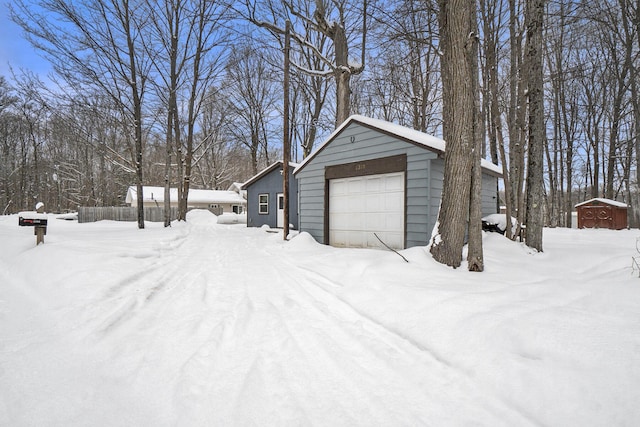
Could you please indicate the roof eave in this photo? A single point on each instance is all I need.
(266, 171)
(355, 118)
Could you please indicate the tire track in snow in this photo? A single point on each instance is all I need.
(392, 349)
(323, 284)
(234, 371)
(320, 287)
(322, 356)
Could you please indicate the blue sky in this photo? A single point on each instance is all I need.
(16, 51)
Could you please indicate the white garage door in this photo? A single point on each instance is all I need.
(364, 205)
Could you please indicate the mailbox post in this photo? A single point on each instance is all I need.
(37, 220)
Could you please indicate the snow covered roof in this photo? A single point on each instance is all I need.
(605, 201)
(156, 195)
(413, 136)
(265, 171)
(235, 186)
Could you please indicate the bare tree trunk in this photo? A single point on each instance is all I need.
(507, 188)
(635, 198)
(167, 170)
(491, 89)
(491, 12)
(551, 176)
(595, 180)
(456, 35)
(631, 22)
(310, 136)
(475, 258)
(342, 75)
(177, 135)
(566, 119)
(193, 109)
(137, 105)
(517, 108)
(286, 143)
(535, 168)
(173, 18)
(614, 136)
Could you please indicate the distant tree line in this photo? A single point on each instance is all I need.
(188, 93)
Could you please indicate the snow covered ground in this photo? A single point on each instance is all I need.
(208, 324)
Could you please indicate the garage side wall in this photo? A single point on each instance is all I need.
(489, 194)
(358, 143)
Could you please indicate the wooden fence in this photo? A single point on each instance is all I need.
(93, 214)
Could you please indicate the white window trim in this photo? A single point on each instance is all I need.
(265, 204)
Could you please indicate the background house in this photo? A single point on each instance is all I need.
(219, 201)
(371, 176)
(265, 200)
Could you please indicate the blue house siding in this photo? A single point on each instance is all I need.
(270, 183)
(358, 142)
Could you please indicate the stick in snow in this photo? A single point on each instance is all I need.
(390, 248)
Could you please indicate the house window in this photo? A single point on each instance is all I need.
(237, 209)
(263, 204)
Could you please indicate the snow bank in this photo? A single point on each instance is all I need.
(304, 241)
(205, 324)
(71, 216)
(232, 218)
(201, 216)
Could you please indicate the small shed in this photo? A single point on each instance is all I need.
(371, 179)
(602, 213)
(265, 200)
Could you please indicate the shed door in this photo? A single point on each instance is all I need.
(597, 217)
(364, 205)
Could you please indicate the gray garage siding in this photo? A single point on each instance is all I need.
(489, 191)
(311, 189)
(437, 174)
(489, 194)
(418, 194)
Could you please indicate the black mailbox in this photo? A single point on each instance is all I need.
(32, 221)
(37, 220)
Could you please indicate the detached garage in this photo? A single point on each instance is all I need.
(372, 180)
(602, 213)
